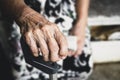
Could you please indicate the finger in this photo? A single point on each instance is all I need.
(44, 50)
(80, 45)
(42, 44)
(54, 49)
(62, 42)
(31, 43)
(78, 51)
(71, 52)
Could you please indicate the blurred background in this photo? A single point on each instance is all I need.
(104, 24)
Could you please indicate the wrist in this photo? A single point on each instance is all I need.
(82, 19)
(81, 22)
(29, 16)
(11, 9)
(19, 11)
(17, 8)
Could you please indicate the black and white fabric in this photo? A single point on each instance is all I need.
(61, 12)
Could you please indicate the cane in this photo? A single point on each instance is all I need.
(38, 62)
(72, 45)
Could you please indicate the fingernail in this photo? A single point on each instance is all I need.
(36, 54)
(63, 57)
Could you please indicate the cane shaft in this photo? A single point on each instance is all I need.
(53, 76)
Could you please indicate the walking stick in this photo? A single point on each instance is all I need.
(38, 62)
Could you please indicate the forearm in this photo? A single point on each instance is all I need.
(12, 8)
(82, 7)
(79, 27)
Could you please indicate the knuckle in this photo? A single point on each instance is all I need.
(55, 49)
(45, 29)
(36, 55)
(54, 26)
(45, 51)
(27, 34)
(63, 53)
(34, 50)
(64, 47)
(35, 31)
(44, 47)
(45, 57)
(54, 59)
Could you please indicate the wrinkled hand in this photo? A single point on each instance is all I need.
(43, 36)
(78, 30)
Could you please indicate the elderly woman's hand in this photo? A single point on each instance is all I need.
(78, 30)
(42, 36)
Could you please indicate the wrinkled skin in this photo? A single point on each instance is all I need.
(42, 36)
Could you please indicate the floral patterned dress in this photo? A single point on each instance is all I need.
(61, 12)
